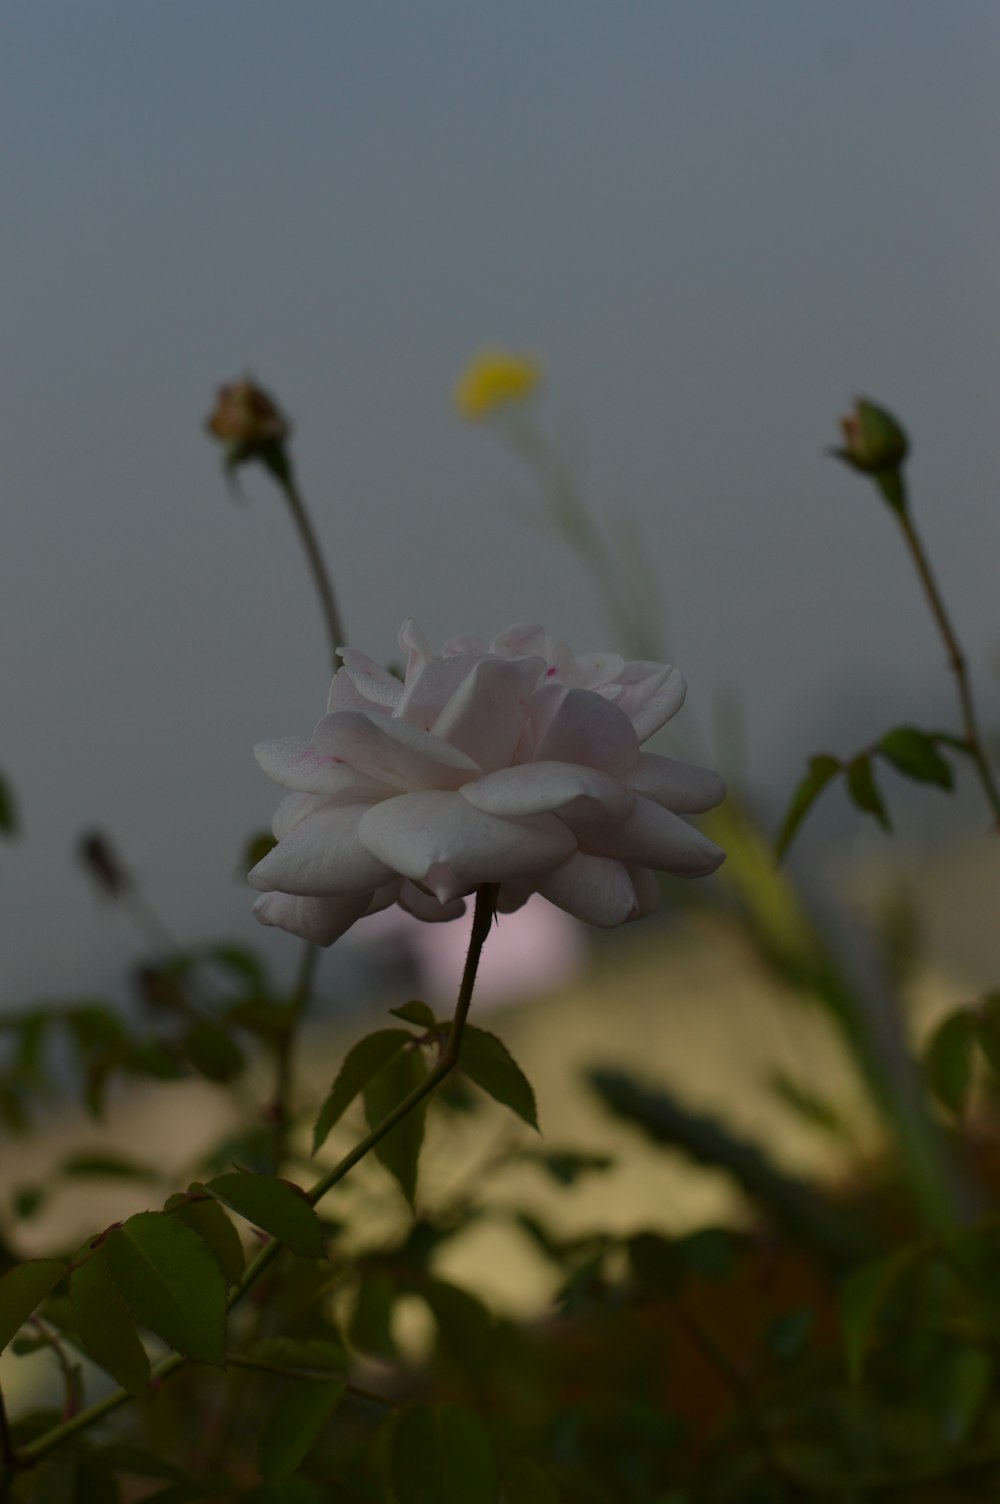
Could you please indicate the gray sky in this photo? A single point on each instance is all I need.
(715, 222)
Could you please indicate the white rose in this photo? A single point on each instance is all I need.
(513, 763)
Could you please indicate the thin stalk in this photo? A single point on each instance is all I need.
(285, 1054)
(308, 1375)
(321, 578)
(450, 1049)
(956, 661)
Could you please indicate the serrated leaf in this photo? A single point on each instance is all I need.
(399, 1150)
(486, 1060)
(210, 1222)
(914, 754)
(22, 1290)
(212, 1052)
(948, 1059)
(294, 1423)
(526, 1481)
(863, 789)
(861, 1300)
(442, 1454)
(276, 1206)
(361, 1063)
(105, 1324)
(821, 769)
(171, 1283)
(415, 1013)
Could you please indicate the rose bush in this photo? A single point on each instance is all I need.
(514, 763)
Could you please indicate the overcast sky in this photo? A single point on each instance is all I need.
(715, 222)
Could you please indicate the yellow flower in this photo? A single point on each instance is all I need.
(492, 379)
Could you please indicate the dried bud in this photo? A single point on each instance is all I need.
(99, 857)
(876, 445)
(251, 426)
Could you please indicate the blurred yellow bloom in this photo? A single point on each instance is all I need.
(492, 379)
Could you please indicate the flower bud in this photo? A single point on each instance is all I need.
(494, 379)
(251, 426)
(876, 445)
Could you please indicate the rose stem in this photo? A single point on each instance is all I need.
(447, 1060)
(956, 659)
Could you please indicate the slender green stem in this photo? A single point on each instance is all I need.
(447, 1059)
(308, 1375)
(321, 578)
(450, 1049)
(956, 661)
(281, 1108)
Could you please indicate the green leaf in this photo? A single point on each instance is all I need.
(988, 1028)
(399, 1150)
(861, 1300)
(525, 1481)
(276, 1206)
(105, 1324)
(948, 1059)
(809, 1104)
(98, 1165)
(361, 1063)
(465, 1326)
(821, 769)
(566, 1166)
(22, 1290)
(914, 754)
(415, 1013)
(370, 1327)
(172, 1284)
(294, 1423)
(212, 1052)
(486, 1060)
(307, 1354)
(210, 1222)
(243, 964)
(442, 1454)
(863, 789)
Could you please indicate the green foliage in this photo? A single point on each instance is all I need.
(294, 1423)
(442, 1454)
(948, 1060)
(486, 1060)
(205, 1217)
(276, 1206)
(105, 1324)
(171, 1283)
(8, 813)
(361, 1063)
(864, 790)
(862, 1299)
(22, 1290)
(384, 1091)
(822, 768)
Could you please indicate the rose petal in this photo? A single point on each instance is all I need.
(323, 858)
(297, 764)
(345, 695)
(649, 837)
(647, 891)
(534, 787)
(679, 786)
(293, 809)
(579, 726)
(599, 668)
(384, 897)
(427, 695)
(487, 712)
(416, 647)
(321, 920)
(401, 756)
(425, 906)
(592, 888)
(371, 680)
(465, 645)
(440, 840)
(648, 693)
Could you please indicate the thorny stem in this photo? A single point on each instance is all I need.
(450, 1049)
(956, 661)
(321, 578)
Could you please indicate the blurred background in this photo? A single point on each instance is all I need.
(712, 225)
